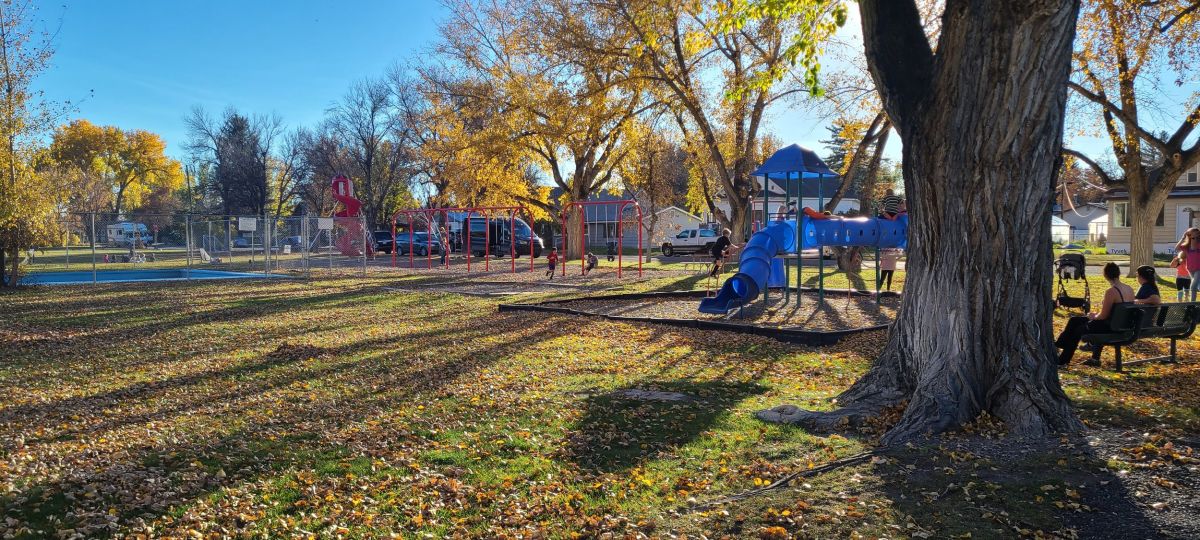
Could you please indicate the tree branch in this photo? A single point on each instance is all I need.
(1105, 179)
(898, 55)
(1195, 5)
(1129, 123)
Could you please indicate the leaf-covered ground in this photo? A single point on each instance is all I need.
(355, 407)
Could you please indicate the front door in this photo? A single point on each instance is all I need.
(1183, 221)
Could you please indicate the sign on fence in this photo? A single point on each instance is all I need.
(247, 224)
(325, 224)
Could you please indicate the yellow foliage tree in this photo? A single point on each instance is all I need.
(113, 166)
(1125, 53)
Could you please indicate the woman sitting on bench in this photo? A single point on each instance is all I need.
(1094, 323)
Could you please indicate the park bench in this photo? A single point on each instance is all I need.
(1131, 322)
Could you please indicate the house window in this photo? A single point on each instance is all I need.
(1120, 215)
(1192, 177)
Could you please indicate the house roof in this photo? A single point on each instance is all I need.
(1177, 193)
(681, 211)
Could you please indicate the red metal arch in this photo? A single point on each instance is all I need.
(621, 205)
(486, 212)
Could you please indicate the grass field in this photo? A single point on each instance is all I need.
(344, 408)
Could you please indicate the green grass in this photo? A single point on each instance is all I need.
(338, 407)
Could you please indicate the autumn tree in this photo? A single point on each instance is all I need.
(27, 201)
(539, 72)
(981, 121)
(1127, 51)
(719, 78)
(655, 171)
(125, 165)
(366, 122)
(239, 149)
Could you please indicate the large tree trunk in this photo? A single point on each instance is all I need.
(981, 124)
(1144, 207)
(14, 275)
(3, 268)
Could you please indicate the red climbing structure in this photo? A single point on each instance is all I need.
(352, 243)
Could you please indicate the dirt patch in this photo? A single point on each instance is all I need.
(835, 312)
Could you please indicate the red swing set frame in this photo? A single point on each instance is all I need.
(486, 212)
(580, 206)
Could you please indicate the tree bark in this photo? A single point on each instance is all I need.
(981, 124)
(3, 268)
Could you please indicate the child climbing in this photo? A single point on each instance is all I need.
(889, 205)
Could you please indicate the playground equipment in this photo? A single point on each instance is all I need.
(620, 205)
(353, 243)
(759, 266)
(762, 262)
(488, 214)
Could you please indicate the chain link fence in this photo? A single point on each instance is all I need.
(102, 247)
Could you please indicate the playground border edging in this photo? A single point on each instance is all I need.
(787, 335)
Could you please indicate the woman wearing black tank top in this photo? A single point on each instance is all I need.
(1077, 327)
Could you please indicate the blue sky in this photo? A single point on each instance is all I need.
(145, 63)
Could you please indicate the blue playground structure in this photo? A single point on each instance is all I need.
(762, 264)
(760, 267)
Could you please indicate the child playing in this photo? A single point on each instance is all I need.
(1190, 245)
(551, 261)
(1183, 279)
(592, 261)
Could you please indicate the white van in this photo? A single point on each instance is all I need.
(127, 233)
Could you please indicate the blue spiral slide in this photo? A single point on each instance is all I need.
(758, 267)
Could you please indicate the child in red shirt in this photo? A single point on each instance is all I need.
(551, 261)
(1183, 279)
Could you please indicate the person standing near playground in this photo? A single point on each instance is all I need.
(1190, 246)
(719, 249)
(1183, 279)
(889, 205)
(444, 243)
(551, 261)
(592, 261)
(887, 266)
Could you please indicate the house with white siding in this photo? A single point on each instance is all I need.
(1181, 212)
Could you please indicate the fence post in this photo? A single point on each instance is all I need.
(93, 248)
(267, 238)
(187, 240)
(304, 247)
(362, 220)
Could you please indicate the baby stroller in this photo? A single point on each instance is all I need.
(1071, 266)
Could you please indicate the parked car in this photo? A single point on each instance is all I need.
(495, 237)
(422, 243)
(690, 241)
(296, 242)
(241, 242)
(384, 243)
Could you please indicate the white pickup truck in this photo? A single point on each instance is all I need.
(690, 241)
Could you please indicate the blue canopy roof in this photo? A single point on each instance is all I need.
(793, 162)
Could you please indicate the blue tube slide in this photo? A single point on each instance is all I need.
(758, 256)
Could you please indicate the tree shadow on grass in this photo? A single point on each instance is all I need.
(995, 487)
(160, 477)
(618, 431)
